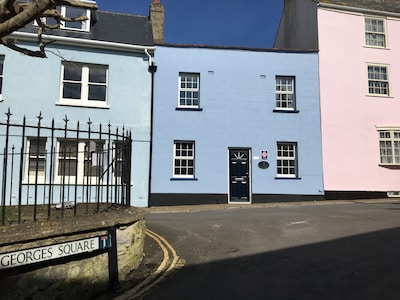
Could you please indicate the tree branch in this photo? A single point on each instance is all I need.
(16, 15)
(26, 16)
(14, 47)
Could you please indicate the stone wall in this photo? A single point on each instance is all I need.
(83, 278)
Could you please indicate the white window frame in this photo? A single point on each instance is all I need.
(284, 91)
(85, 25)
(373, 32)
(84, 85)
(31, 176)
(286, 160)
(81, 159)
(377, 82)
(187, 93)
(389, 146)
(1, 76)
(184, 160)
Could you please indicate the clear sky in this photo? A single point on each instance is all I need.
(211, 22)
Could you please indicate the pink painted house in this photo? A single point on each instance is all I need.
(359, 47)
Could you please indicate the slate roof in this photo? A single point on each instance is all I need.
(379, 5)
(110, 27)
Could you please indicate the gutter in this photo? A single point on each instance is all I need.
(84, 42)
(359, 10)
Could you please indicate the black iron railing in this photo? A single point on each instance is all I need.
(48, 168)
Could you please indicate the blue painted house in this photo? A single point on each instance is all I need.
(235, 125)
(97, 74)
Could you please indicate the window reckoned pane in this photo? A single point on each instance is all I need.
(84, 82)
(95, 157)
(375, 32)
(184, 159)
(389, 147)
(189, 90)
(68, 158)
(285, 92)
(286, 159)
(37, 156)
(378, 80)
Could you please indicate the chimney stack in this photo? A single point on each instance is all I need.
(157, 21)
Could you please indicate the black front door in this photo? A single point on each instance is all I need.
(239, 178)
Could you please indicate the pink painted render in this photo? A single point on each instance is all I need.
(349, 116)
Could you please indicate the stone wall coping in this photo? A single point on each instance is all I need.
(44, 229)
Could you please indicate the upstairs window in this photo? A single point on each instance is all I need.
(189, 90)
(378, 80)
(84, 84)
(71, 12)
(389, 146)
(285, 93)
(375, 32)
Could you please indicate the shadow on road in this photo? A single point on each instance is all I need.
(364, 267)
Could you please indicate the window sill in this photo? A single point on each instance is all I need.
(388, 166)
(286, 111)
(376, 47)
(80, 103)
(183, 179)
(288, 178)
(379, 96)
(189, 109)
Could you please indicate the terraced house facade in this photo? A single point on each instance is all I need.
(235, 125)
(358, 42)
(94, 81)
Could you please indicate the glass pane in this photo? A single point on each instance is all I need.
(72, 91)
(74, 12)
(97, 74)
(37, 147)
(97, 92)
(72, 72)
(41, 166)
(67, 167)
(68, 149)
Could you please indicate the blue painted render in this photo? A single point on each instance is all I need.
(237, 98)
(32, 86)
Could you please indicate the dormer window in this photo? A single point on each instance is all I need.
(71, 13)
(74, 12)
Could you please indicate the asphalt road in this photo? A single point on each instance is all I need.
(328, 251)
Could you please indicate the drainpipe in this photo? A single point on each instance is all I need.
(152, 70)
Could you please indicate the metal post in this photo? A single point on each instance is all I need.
(21, 163)
(37, 165)
(51, 170)
(113, 260)
(4, 187)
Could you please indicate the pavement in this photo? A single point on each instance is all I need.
(160, 258)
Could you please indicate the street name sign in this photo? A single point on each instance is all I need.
(50, 252)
